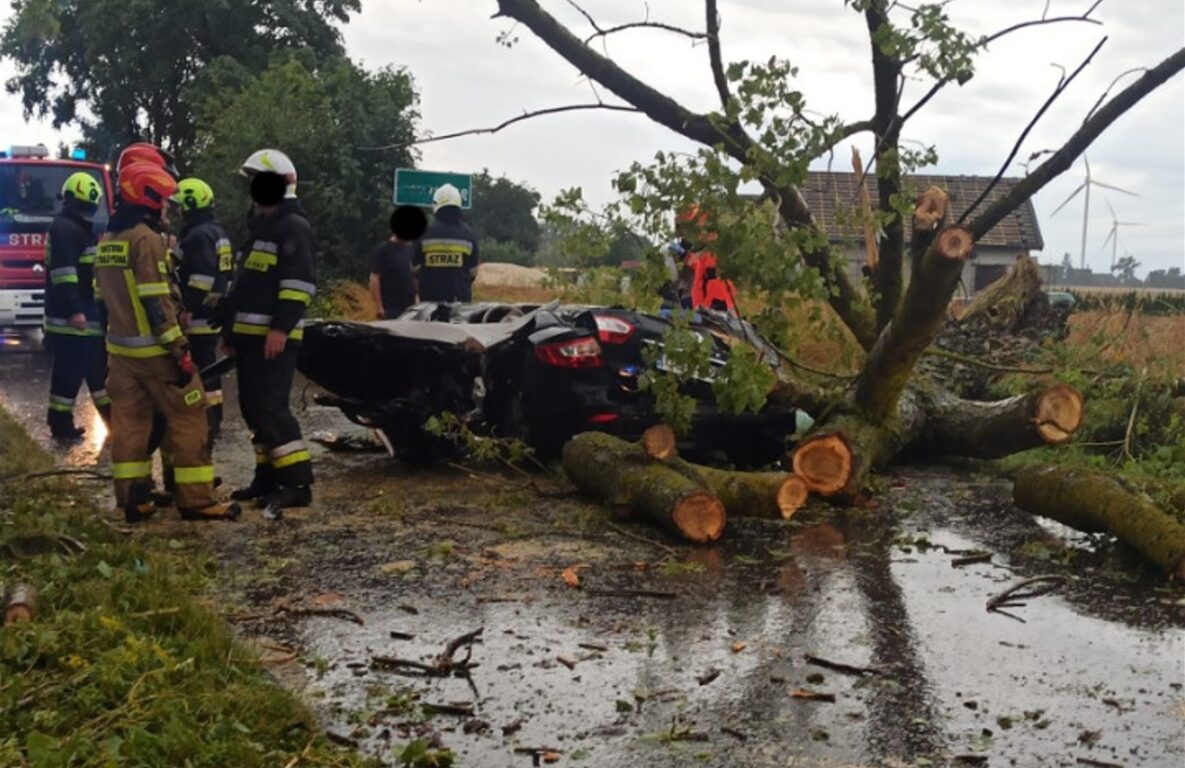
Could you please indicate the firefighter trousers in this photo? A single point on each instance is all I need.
(204, 348)
(76, 358)
(139, 388)
(281, 457)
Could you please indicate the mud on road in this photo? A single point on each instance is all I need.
(669, 655)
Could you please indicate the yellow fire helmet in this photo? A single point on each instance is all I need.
(82, 187)
(193, 194)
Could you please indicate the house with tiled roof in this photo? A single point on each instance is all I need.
(834, 199)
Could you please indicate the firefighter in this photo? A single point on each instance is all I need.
(271, 291)
(72, 318)
(204, 269)
(150, 365)
(143, 152)
(446, 258)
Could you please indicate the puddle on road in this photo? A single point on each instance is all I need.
(1095, 671)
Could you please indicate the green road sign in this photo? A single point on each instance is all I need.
(415, 187)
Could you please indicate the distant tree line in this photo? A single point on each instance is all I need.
(214, 81)
(1123, 274)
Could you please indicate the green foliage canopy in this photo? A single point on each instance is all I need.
(128, 70)
(323, 114)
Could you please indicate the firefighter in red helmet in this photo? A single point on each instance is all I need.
(150, 367)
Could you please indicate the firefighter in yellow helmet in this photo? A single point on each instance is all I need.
(151, 368)
(73, 328)
(205, 267)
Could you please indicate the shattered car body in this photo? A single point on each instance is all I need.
(540, 373)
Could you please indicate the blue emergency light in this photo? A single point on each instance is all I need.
(78, 153)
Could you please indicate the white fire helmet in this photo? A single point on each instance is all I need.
(446, 195)
(274, 161)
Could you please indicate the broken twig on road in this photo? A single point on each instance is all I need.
(1012, 597)
(846, 669)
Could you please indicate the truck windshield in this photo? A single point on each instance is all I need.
(30, 193)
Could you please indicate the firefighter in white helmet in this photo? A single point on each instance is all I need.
(264, 326)
(446, 257)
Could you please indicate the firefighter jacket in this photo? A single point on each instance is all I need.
(204, 269)
(277, 278)
(447, 258)
(132, 277)
(69, 271)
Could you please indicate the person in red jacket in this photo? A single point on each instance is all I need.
(705, 288)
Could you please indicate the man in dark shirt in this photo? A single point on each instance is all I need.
(392, 284)
(446, 258)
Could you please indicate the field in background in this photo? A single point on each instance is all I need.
(1155, 342)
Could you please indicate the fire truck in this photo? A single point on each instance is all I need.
(30, 195)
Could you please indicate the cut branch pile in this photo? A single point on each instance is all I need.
(1000, 332)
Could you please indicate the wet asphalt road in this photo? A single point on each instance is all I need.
(1093, 672)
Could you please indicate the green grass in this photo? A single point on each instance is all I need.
(123, 664)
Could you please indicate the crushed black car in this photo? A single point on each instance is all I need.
(540, 373)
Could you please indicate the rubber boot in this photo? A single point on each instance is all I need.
(220, 511)
(286, 497)
(140, 506)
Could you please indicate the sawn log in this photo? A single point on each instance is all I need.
(619, 473)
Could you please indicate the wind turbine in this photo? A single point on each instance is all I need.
(1086, 185)
(1113, 235)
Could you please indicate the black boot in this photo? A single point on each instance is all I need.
(285, 497)
(261, 485)
(218, 511)
(254, 492)
(61, 426)
(139, 506)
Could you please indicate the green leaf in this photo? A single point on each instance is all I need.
(104, 569)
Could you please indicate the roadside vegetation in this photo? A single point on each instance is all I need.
(123, 663)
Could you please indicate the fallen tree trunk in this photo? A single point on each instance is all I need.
(619, 473)
(1097, 503)
(836, 459)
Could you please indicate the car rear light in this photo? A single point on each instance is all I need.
(576, 353)
(613, 330)
(603, 418)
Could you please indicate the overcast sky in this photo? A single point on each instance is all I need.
(468, 80)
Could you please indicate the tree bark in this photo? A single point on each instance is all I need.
(887, 278)
(891, 361)
(1097, 503)
(992, 430)
(764, 495)
(620, 474)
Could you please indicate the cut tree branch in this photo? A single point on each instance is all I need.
(504, 124)
(1062, 85)
(1061, 160)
